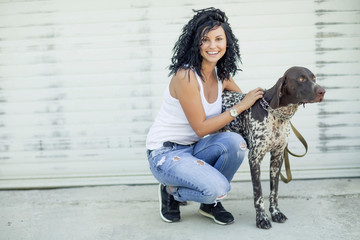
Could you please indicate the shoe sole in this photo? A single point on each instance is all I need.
(213, 218)
(160, 201)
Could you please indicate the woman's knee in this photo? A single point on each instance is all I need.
(235, 145)
(234, 140)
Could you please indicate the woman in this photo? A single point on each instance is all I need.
(190, 160)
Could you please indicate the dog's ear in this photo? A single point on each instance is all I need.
(275, 101)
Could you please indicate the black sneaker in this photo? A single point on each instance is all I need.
(217, 213)
(169, 207)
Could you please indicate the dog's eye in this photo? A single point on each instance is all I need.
(314, 78)
(302, 79)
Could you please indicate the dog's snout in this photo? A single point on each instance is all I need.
(320, 92)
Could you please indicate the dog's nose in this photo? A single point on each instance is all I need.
(320, 92)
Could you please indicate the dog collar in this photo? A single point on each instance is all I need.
(265, 105)
(283, 113)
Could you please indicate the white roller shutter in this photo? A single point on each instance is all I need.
(81, 82)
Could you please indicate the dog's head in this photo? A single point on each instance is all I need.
(297, 86)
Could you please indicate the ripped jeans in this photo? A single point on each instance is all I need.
(200, 172)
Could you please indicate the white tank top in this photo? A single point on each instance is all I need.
(171, 123)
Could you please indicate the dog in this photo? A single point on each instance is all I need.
(265, 127)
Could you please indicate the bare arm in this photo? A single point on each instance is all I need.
(188, 94)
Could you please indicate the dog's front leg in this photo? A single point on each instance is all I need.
(275, 167)
(262, 220)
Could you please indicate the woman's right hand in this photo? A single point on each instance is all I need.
(250, 98)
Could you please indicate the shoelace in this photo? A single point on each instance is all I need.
(219, 207)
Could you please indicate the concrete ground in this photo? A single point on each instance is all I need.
(317, 209)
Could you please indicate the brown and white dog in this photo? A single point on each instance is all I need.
(265, 127)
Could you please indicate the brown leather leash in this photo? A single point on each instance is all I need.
(287, 152)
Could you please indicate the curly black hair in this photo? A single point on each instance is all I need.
(187, 48)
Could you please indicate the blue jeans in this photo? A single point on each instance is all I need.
(202, 171)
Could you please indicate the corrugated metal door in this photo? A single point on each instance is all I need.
(81, 82)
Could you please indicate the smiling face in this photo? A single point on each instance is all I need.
(213, 45)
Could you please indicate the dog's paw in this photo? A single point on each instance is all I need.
(278, 216)
(262, 220)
